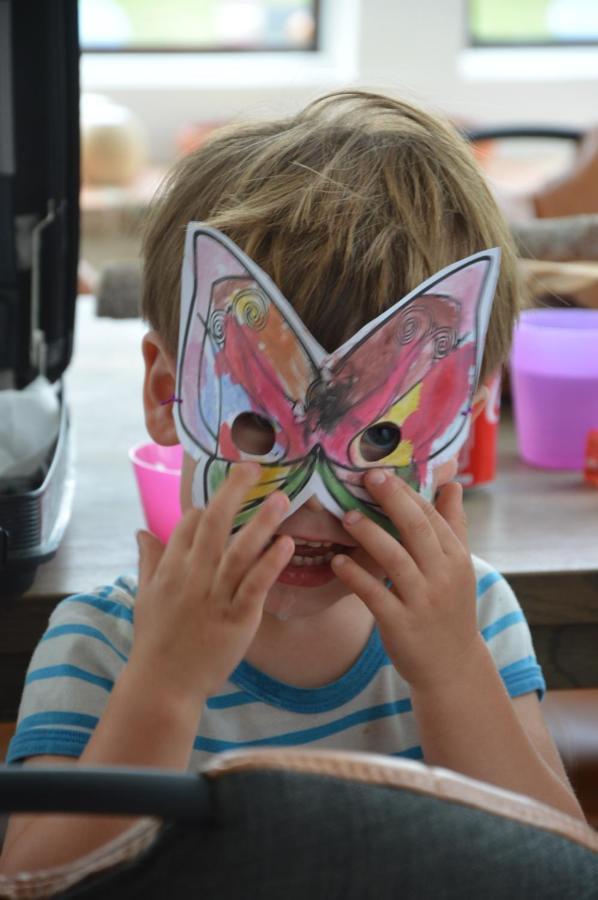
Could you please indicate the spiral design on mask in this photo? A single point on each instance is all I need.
(216, 326)
(251, 308)
(445, 341)
(413, 324)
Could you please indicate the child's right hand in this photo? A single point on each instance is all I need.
(200, 598)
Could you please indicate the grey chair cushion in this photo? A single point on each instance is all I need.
(293, 835)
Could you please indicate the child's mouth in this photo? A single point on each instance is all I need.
(310, 564)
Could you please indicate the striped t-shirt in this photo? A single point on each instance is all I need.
(89, 637)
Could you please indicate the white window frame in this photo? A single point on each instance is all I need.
(335, 62)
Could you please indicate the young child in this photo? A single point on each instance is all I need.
(410, 649)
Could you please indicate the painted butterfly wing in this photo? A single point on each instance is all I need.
(414, 370)
(238, 354)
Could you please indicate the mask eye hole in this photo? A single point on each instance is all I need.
(379, 441)
(253, 434)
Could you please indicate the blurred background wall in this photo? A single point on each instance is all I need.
(416, 47)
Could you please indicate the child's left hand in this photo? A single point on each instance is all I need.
(427, 618)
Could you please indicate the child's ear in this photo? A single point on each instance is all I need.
(158, 387)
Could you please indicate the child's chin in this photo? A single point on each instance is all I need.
(285, 601)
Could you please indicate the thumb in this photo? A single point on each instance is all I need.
(150, 554)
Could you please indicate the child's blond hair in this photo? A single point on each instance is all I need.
(347, 206)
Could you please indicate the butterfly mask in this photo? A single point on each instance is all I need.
(397, 394)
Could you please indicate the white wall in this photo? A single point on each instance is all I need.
(412, 47)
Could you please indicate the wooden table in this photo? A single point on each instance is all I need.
(539, 528)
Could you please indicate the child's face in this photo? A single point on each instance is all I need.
(305, 587)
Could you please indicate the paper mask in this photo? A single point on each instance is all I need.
(400, 390)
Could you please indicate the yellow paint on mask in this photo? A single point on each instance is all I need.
(270, 480)
(397, 414)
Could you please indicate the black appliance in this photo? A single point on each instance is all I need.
(39, 246)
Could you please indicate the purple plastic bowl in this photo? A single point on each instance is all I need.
(158, 473)
(554, 367)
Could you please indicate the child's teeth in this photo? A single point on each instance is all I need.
(313, 543)
(311, 560)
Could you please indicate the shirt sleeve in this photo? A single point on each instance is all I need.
(504, 628)
(72, 672)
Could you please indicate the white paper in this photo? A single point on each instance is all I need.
(29, 425)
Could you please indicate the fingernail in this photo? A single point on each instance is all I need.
(279, 501)
(253, 470)
(352, 517)
(378, 476)
(339, 561)
(286, 543)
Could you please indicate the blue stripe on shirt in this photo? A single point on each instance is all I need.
(67, 671)
(314, 700)
(226, 701)
(515, 668)
(87, 630)
(309, 735)
(410, 753)
(486, 582)
(58, 717)
(46, 742)
(523, 677)
(126, 586)
(34, 738)
(502, 624)
(110, 607)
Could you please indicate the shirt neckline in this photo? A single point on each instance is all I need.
(309, 700)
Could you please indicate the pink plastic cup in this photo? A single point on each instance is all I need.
(555, 385)
(158, 473)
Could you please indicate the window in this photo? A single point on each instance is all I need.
(166, 26)
(525, 23)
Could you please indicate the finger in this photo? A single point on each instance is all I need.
(150, 554)
(217, 522)
(253, 589)
(248, 544)
(443, 529)
(184, 530)
(182, 536)
(416, 522)
(450, 506)
(438, 523)
(394, 559)
(381, 602)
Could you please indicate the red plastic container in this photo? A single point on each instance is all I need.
(590, 472)
(477, 459)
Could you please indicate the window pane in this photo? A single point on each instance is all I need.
(533, 21)
(167, 25)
